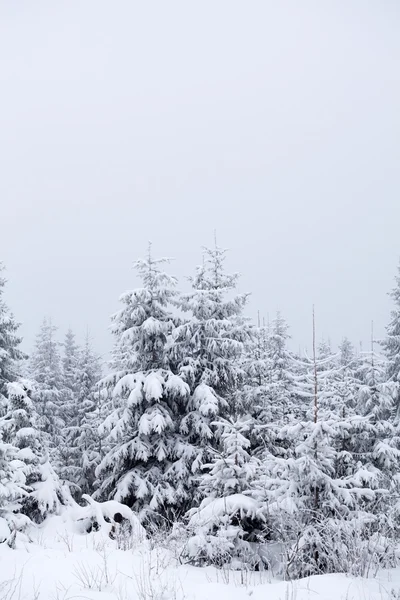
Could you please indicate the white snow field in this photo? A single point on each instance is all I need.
(60, 564)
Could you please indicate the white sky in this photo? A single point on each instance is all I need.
(275, 123)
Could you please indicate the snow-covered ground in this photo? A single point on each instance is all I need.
(60, 564)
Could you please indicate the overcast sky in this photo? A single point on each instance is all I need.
(277, 123)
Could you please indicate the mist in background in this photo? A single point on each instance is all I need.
(277, 124)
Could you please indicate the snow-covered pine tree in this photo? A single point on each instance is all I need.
(376, 401)
(377, 446)
(86, 439)
(12, 490)
(10, 353)
(323, 366)
(227, 520)
(45, 371)
(269, 387)
(324, 351)
(68, 454)
(256, 364)
(12, 478)
(281, 366)
(343, 398)
(391, 345)
(43, 491)
(312, 511)
(70, 371)
(378, 442)
(207, 349)
(347, 355)
(148, 464)
(233, 467)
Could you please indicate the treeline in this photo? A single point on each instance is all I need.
(206, 424)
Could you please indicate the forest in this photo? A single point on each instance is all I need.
(207, 431)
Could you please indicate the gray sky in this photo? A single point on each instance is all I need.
(275, 123)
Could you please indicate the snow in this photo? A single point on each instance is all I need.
(4, 530)
(153, 386)
(210, 510)
(59, 564)
(205, 400)
(107, 510)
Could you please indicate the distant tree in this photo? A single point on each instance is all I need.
(391, 344)
(45, 370)
(86, 440)
(68, 455)
(281, 369)
(270, 386)
(10, 353)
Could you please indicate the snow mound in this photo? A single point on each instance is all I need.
(105, 515)
(210, 510)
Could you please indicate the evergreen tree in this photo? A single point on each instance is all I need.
(280, 393)
(208, 348)
(10, 354)
(270, 387)
(345, 387)
(256, 392)
(147, 465)
(391, 344)
(86, 438)
(347, 356)
(68, 455)
(313, 509)
(379, 441)
(43, 492)
(228, 520)
(45, 371)
(233, 467)
(12, 490)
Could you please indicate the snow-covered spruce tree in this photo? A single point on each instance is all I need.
(70, 363)
(68, 454)
(10, 354)
(378, 442)
(43, 491)
(305, 369)
(324, 351)
(281, 365)
(148, 464)
(376, 401)
(347, 356)
(86, 439)
(316, 514)
(256, 364)
(45, 371)
(343, 389)
(12, 490)
(207, 348)
(227, 520)
(391, 345)
(269, 386)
